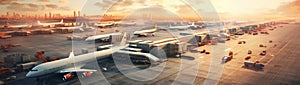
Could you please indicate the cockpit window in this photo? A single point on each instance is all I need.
(33, 70)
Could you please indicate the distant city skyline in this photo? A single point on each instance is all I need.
(226, 9)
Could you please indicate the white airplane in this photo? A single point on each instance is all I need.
(66, 66)
(50, 24)
(89, 27)
(103, 25)
(149, 32)
(72, 28)
(104, 37)
(8, 25)
(184, 27)
(126, 24)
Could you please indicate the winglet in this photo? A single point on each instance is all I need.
(193, 23)
(71, 54)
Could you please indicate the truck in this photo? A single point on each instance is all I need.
(226, 59)
(239, 33)
(256, 65)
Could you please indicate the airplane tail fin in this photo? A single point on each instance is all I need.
(124, 39)
(62, 21)
(39, 22)
(81, 25)
(71, 54)
(193, 23)
(155, 27)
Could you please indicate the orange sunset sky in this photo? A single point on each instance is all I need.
(226, 9)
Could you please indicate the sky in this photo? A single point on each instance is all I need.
(226, 9)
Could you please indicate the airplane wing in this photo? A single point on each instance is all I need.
(81, 29)
(68, 70)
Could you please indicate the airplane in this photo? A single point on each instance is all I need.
(50, 24)
(126, 24)
(146, 32)
(89, 27)
(103, 25)
(66, 66)
(80, 28)
(8, 25)
(104, 37)
(184, 27)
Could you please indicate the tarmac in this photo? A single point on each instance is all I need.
(281, 64)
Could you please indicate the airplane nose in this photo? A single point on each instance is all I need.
(29, 74)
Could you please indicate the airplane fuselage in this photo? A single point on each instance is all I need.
(70, 62)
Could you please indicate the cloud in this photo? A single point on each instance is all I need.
(52, 6)
(65, 8)
(56, 7)
(104, 4)
(17, 6)
(32, 7)
(115, 4)
(125, 7)
(63, 1)
(99, 4)
(292, 8)
(125, 2)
